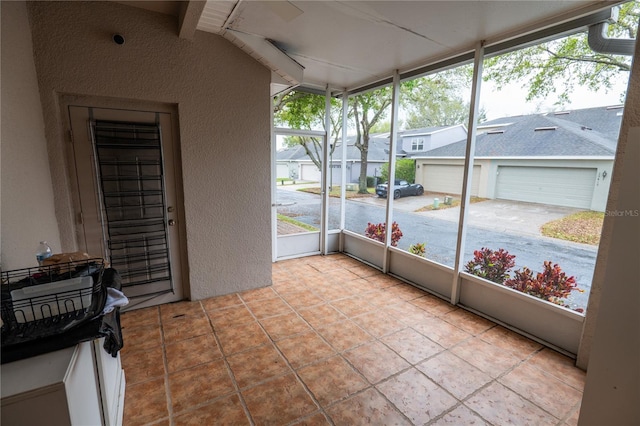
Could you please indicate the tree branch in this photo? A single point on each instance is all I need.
(591, 59)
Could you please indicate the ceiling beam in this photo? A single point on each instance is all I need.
(190, 12)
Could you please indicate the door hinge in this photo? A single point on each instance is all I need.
(80, 218)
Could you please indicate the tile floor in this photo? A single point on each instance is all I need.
(334, 341)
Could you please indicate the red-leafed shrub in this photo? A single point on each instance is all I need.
(378, 232)
(492, 265)
(551, 284)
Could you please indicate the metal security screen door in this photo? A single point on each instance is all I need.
(129, 162)
(129, 196)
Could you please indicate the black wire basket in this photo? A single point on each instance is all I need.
(48, 300)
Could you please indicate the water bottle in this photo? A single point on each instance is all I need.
(43, 252)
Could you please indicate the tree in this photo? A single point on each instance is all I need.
(405, 170)
(436, 100)
(368, 109)
(568, 62)
(300, 110)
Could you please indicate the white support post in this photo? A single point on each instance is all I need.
(326, 185)
(468, 170)
(395, 104)
(343, 167)
(274, 191)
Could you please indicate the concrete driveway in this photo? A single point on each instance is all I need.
(499, 215)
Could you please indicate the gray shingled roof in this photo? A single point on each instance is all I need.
(520, 139)
(606, 120)
(377, 147)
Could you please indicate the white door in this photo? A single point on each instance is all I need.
(128, 194)
(571, 187)
(447, 179)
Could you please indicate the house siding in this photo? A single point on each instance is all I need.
(217, 89)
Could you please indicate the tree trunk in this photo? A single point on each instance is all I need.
(364, 153)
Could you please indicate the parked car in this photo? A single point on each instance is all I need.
(402, 188)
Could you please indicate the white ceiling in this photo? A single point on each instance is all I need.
(348, 44)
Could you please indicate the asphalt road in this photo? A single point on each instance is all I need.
(440, 235)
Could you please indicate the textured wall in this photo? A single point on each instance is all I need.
(223, 103)
(611, 337)
(28, 214)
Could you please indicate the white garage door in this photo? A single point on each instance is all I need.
(310, 172)
(571, 187)
(448, 179)
(282, 171)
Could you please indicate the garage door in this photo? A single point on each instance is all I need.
(448, 179)
(572, 187)
(282, 171)
(310, 172)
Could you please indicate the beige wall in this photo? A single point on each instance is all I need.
(28, 214)
(223, 105)
(611, 337)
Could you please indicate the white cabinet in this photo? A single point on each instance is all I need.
(81, 385)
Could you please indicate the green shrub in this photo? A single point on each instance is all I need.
(491, 265)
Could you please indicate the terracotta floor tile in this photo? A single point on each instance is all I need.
(382, 281)
(407, 313)
(468, 321)
(321, 315)
(304, 349)
(510, 341)
(441, 332)
(317, 419)
(363, 270)
(361, 286)
(378, 323)
(501, 406)
(283, 326)
(145, 402)
(221, 302)
(191, 352)
(411, 345)
(542, 389)
(199, 384)
(353, 306)
(344, 335)
(288, 286)
(230, 317)
(142, 364)
(572, 420)
(405, 291)
(455, 375)
(185, 327)
(241, 338)
(301, 300)
(333, 292)
(332, 380)
(461, 415)
(340, 275)
(140, 318)
(257, 365)
(381, 298)
(269, 308)
(174, 310)
(491, 360)
(144, 337)
(278, 401)
(368, 407)
(433, 305)
(226, 411)
(375, 361)
(560, 366)
(416, 396)
(258, 294)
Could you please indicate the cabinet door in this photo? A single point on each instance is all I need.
(111, 378)
(81, 385)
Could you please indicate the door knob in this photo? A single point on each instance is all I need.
(172, 222)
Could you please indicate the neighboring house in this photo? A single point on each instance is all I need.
(294, 163)
(547, 158)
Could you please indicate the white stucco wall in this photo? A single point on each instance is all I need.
(28, 214)
(611, 337)
(223, 103)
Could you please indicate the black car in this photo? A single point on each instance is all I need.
(402, 188)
